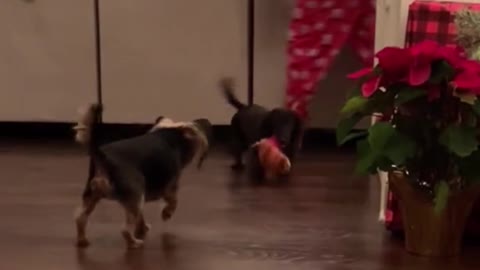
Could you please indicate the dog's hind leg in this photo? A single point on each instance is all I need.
(142, 228)
(237, 154)
(238, 148)
(134, 215)
(81, 218)
(170, 197)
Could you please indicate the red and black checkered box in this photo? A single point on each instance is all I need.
(431, 20)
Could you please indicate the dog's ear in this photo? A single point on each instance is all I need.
(199, 139)
(158, 119)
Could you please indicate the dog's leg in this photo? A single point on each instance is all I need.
(142, 227)
(237, 151)
(81, 219)
(170, 197)
(133, 211)
(238, 147)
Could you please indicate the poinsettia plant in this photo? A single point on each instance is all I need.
(428, 99)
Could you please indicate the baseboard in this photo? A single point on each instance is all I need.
(314, 138)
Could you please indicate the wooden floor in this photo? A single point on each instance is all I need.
(324, 219)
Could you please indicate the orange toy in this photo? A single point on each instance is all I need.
(272, 160)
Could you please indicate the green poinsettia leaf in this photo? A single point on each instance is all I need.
(469, 118)
(442, 191)
(353, 135)
(383, 147)
(366, 158)
(382, 101)
(408, 95)
(345, 126)
(476, 107)
(399, 148)
(459, 140)
(384, 164)
(354, 105)
(386, 142)
(468, 167)
(379, 135)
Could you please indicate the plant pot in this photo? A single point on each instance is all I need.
(428, 233)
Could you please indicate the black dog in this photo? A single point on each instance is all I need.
(137, 170)
(253, 123)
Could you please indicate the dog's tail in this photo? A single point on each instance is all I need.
(226, 85)
(86, 129)
(204, 126)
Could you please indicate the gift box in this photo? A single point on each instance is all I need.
(431, 20)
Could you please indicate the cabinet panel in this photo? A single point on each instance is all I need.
(272, 18)
(46, 59)
(164, 57)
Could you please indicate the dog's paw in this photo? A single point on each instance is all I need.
(167, 214)
(142, 231)
(135, 244)
(132, 242)
(82, 243)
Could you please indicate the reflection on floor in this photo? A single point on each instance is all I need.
(325, 218)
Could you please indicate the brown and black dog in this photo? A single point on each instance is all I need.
(251, 123)
(136, 170)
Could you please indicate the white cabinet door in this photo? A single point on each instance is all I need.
(46, 59)
(164, 57)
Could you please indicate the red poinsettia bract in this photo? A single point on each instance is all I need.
(414, 66)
